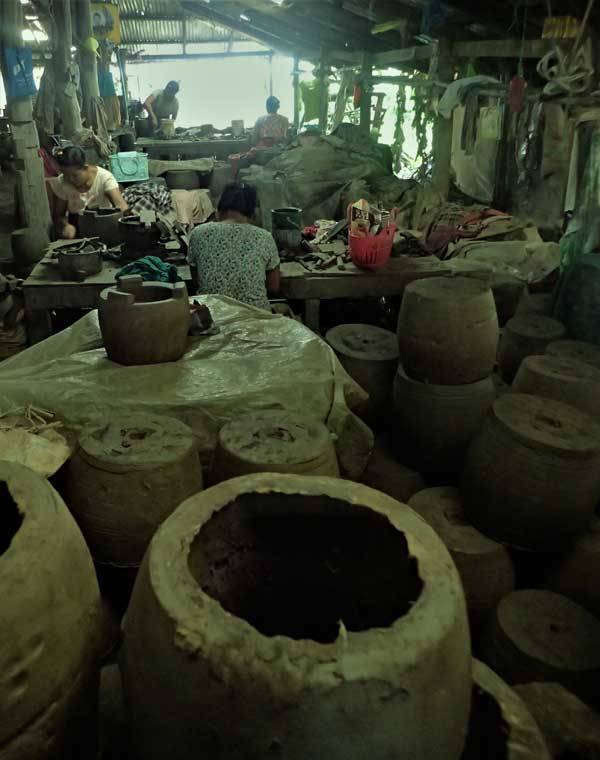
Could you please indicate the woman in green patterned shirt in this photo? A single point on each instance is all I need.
(233, 257)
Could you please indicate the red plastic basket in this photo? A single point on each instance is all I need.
(374, 251)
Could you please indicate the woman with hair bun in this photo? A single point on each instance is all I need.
(79, 187)
(233, 257)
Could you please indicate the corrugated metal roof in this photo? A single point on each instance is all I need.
(162, 21)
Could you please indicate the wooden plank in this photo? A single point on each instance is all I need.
(502, 49)
(404, 55)
(324, 72)
(367, 92)
(442, 128)
(390, 26)
(297, 283)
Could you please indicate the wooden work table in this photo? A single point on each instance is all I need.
(173, 150)
(311, 287)
(44, 290)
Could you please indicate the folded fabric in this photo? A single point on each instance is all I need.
(148, 196)
(152, 269)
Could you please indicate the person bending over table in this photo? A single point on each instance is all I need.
(233, 257)
(81, 186)
(162, 104)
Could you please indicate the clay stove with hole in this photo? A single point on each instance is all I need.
(144, 322)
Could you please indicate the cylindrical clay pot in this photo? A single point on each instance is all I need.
(484, 566)
(273, 440)
(501, 726)
(49, 618)
(434, 424)
(525, 335)
(144, 322)
(508, 291)
(568, 380)
(576, 349)
(577, 574)
(384, 473)
(536, 303)
(541, 636)
(102, 223)
(448, 330)
(532, 475)
(370, 356)
(126, 478)
(296, 617)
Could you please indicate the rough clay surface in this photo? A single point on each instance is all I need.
(274, 441)
(136, 441)
(501, 727)
(575, 575)
(576, 349)
(547, 423)
(532, 474)
(65, 730)
(126, 478)
(484, 566)
(542, 636)
(568, 380)
(48, 616)
(365, 342)
(357, 698)
(370, 356)
(524, 336)
(571, 728)
(384, 473)
(434, 424)
(448, 330)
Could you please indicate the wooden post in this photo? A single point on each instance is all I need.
(88, 62)
(442, 128)
(296, 86)
(324, 93)
(66, 92)
(367, 90)
(342, 97)
(122, 62)
(34, 210)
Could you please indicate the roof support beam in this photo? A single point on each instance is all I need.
(502, 49)
(404, 55)
(197, 56)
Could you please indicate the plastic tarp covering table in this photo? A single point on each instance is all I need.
(257, 361)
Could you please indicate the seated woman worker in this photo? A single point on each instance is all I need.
(81, 186)
(233, 257)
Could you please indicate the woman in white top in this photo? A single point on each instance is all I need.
(81, 186)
